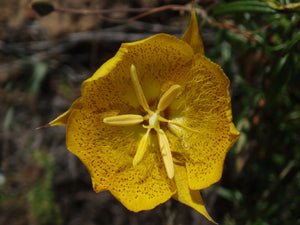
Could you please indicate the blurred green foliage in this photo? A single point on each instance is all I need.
(263, 64)
(35, 193)
(43, 209)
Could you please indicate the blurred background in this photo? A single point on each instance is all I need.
(44, 59)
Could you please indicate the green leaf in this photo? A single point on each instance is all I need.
(289, 8)
(292, 42)
(279, 80)
(230, 195)
(243, 6)
(274, 4)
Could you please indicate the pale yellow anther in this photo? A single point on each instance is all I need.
(168, 97)
(138, 89)
(123, 120)
(141, 148)
(166, 153)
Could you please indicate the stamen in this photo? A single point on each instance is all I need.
(123, 120)
(168, 97)
(166, 153)
(138, 89)
(160, 118)
(141, 148)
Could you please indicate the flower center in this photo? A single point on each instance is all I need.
(154, 120)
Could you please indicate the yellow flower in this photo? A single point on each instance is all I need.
(154, 122)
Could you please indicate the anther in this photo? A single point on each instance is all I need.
(138, 89)
(168, 97)
(166, 153)
(123, 120)
(141, 149)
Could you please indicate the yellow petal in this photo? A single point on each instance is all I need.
(192, 36)
(208, 110)
(63, 118)
(187, 196)
(159, 60)
(108, 151)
